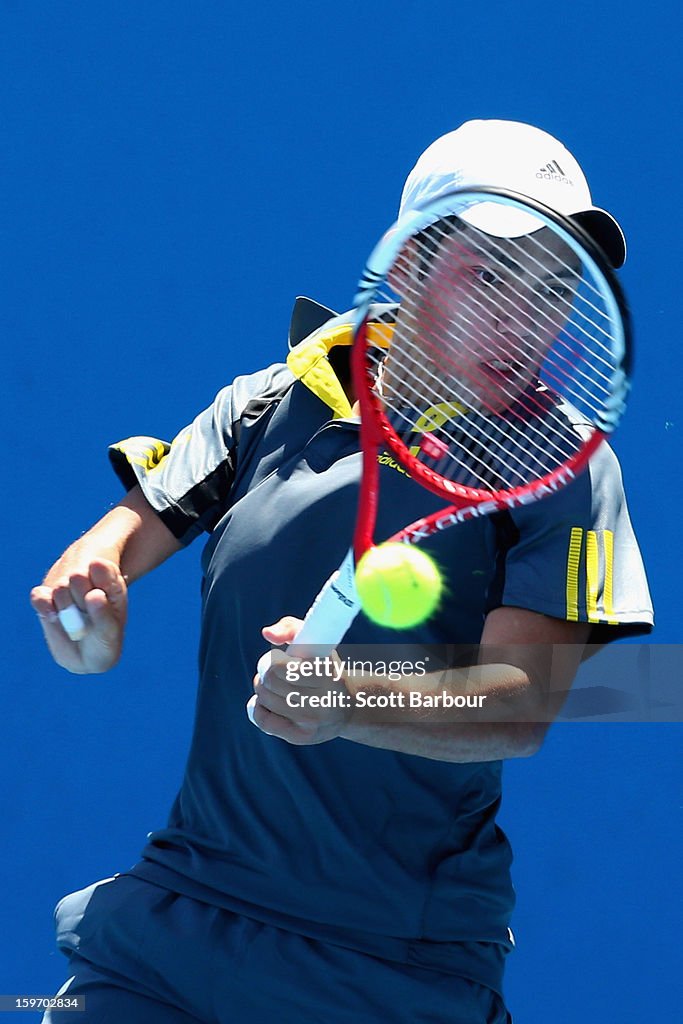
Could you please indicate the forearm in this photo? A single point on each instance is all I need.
(456, 742)
(130, 535)
(480, 713)
(90, 581)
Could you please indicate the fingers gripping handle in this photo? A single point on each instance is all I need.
(333, 610)
(326, 622)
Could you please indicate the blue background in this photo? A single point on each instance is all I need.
(173, 175)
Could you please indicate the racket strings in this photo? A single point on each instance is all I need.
(465, 332)
(501, 449)
(525, 405)
(558, 367)
(603, 355)
(501, 406)
(585, 325)
(541, 262)
(483, 451)
(539, 256)
(564, 354)
(484, 454)
(528, 410)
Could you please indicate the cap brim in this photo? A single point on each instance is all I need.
(507, 222)
(501, 221)
(605, 232)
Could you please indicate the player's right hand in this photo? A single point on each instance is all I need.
(100, 593)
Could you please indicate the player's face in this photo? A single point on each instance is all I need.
(487, 312)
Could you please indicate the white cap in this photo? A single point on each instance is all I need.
(515, 156)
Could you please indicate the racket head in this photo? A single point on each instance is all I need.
(491, 366)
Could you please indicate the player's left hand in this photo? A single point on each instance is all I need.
(288, 691)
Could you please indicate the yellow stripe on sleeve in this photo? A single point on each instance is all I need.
(147, 452)
(598, 582)
(573, 562)
(607, 597)
(592, 576)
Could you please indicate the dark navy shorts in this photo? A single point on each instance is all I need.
(140, 954)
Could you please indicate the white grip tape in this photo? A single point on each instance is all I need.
(73, 623)
(333, 610)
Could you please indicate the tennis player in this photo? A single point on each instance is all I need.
(330, 870)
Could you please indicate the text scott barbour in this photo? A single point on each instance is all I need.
(362, 699)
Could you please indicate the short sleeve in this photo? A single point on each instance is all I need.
(188, 481)
(574, 556)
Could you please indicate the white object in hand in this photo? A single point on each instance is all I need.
(73, 623)
(261, 668)
(263, 664)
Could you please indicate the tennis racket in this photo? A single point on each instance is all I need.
(491, 367)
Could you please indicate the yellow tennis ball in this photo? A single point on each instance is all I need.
(398, 585)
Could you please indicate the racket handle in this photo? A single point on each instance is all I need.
(333, 610)
(73, 622)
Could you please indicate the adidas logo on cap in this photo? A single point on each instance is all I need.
(553, 172)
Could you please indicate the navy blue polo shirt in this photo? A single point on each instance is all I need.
(387, 852)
